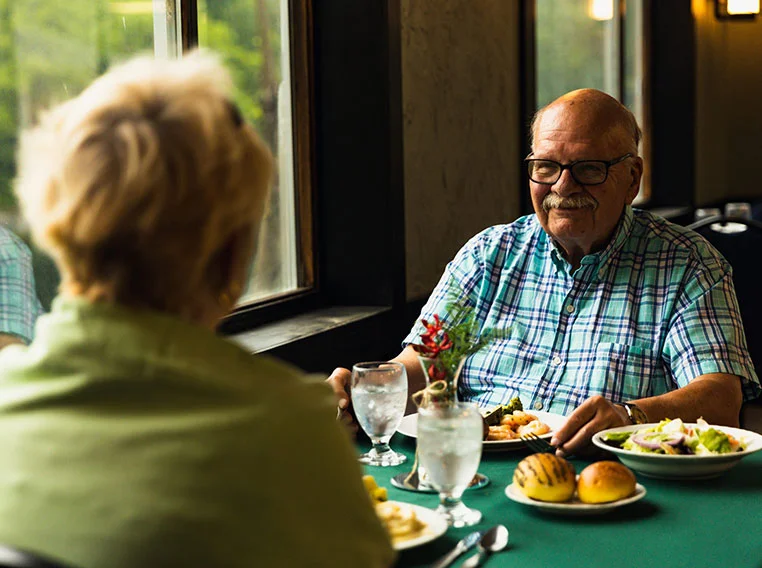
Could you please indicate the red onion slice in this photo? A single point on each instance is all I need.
(653, 441)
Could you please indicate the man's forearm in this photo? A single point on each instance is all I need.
(716, 398)
(7, 339)
(415, 377)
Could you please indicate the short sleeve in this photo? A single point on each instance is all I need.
(458, 285)
(706, 335)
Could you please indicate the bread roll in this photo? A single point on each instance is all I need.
(605, 481)
(545, 477)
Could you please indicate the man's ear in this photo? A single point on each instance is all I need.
(636, 171)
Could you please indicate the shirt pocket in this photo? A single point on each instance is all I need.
(625, 372)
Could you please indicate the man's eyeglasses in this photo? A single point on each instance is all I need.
(584, 172)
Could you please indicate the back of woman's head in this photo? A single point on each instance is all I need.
(137, 186)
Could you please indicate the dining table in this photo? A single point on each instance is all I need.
(679, 523)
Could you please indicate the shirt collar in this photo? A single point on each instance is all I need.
(598, 261)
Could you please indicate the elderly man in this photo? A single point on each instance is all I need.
(606, 314)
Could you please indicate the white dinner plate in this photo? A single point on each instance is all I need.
(575, 506)
(409, 427)
(681, 466)
(435, 527)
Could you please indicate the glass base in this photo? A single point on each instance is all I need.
(459, 515)
(401, 481)
(385, 458)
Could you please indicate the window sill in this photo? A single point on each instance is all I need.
(277, 334)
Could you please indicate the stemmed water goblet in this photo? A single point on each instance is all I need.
(450, 449)
(379, 397)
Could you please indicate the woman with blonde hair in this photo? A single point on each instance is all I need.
(131, 434)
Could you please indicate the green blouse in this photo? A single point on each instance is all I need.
(132, 439)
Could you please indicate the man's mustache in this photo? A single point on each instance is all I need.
(581, 201)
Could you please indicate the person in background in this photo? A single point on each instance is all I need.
(602, 312)
(19, 306)
(131, 434)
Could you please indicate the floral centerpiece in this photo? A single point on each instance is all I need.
(442, 351)
(444, 346)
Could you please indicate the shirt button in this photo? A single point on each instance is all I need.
(570, 308)
(556, 361)
(538, 405)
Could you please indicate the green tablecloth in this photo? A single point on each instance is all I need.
(693, 524)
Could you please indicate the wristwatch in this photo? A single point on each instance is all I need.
(634, 412)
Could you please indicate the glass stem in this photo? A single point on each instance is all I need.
(381, 448)
(449, 502)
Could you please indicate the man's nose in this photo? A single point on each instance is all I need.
(566, 184)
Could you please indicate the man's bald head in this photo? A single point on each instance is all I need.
(601, 112)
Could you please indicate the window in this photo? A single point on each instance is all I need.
(51, 50)
(592, 43)
(253, 37)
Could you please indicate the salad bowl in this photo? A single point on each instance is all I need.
(683, 466)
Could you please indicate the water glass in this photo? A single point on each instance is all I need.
(450, 449)
(379, 396)
(742, 210)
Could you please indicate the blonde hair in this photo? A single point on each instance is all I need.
(137, 185)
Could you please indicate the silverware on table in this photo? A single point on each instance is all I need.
(465, 544)
(537, 444)
(494, 540)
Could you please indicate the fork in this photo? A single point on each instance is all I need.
(537, 444)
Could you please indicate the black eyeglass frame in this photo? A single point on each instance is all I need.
(570, 166)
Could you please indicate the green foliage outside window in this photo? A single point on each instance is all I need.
(51, 50)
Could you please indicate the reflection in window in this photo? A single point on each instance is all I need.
(252, 36)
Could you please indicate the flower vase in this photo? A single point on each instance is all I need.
(441, 381)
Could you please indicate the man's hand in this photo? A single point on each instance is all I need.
(592, 416)
(339, 381)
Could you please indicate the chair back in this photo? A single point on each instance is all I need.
(742, 249)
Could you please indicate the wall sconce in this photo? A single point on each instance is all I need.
(737, 9)
(600, 10)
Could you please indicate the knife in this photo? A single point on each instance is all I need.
(465, 544)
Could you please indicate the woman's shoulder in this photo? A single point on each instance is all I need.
(268, 377)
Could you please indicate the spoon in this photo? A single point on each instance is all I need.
(494, 540)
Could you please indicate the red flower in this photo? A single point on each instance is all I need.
(434, 340)
(437, 373)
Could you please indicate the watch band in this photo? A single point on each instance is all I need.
(634, 413)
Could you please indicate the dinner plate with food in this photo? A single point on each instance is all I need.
(503, 425)
(673, 449)
(408, 525)
(550, 484)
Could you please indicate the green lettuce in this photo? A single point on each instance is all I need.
(618, 438)
(714, 441)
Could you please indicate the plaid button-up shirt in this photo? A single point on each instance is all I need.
(652, 311)
(19, 306)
